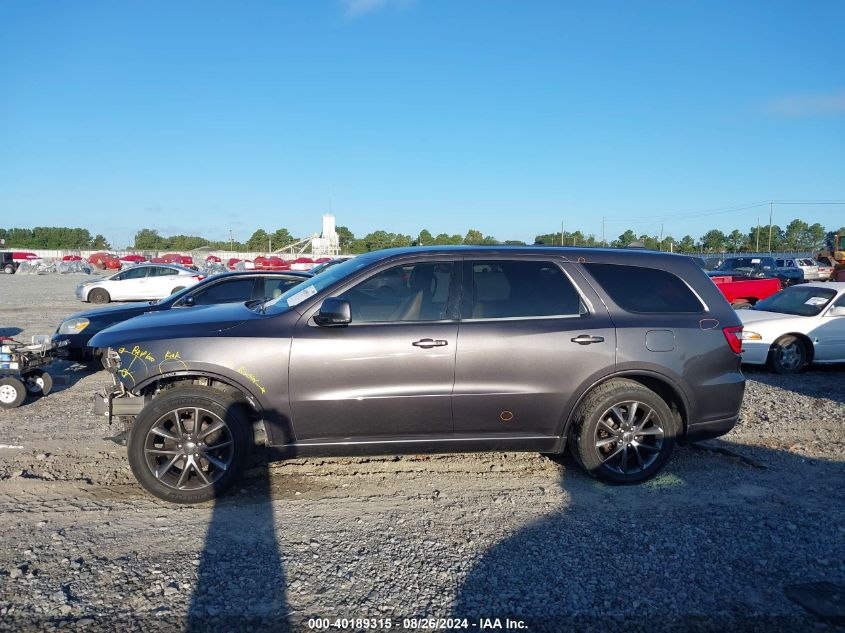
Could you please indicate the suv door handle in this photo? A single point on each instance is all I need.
(586, 339)
(427, 343)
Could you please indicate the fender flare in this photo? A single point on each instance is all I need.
(633, 374)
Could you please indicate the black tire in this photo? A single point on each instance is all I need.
(604, 431)
(12, 393)
(788, 355)
(177, 289)
(741, 305)
(9, 269)
(170, 455)
(99, 295)
(38, 382)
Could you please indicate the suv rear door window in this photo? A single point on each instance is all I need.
(641, 289)
(512, 289)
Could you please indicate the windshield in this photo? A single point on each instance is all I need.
(749, 263)
(309, 288)
(798, 300)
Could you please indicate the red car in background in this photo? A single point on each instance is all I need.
(107, 261)
(22, 256)
(213, 259)
(71, 258)
(133, 259)
(744, 292)
(248, 263)
(271, 263)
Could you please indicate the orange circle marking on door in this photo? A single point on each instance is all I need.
(506, 416)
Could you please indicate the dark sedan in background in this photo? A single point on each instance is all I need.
(76, 330)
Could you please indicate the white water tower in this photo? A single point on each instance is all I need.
(328, 244)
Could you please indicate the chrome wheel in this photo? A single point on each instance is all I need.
(189, 448)
(629, 437)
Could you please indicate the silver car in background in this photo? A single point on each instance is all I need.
(808, 266)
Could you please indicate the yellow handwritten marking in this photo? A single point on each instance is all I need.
(168, 355)
(251, 377)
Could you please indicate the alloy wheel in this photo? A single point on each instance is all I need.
(629, 437)
(189, 448)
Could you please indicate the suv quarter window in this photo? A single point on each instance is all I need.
(507, 289)
(645, 290)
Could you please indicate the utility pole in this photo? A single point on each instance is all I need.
(757, 248)
(561, 233)
(269, 244)
(231, 241)
(770, 227)
(602, 231)
(660, 245)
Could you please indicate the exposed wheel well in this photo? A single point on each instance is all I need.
(233, 391)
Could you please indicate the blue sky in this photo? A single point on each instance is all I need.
(509, 117)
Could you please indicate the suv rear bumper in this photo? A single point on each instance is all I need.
(708, 430)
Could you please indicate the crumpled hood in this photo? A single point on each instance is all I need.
(175, 323)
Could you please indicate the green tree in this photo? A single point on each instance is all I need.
(282, 238)
(345, 238)
(474, 236)
(258, 241)
(148, 240)
(445, 239)
(514, 243)
(100, 243)
(686, 245)
(424, 238)
(736, 240)
(623, 240)
(714, 240)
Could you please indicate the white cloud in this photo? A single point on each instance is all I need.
(357, 8)
(809, 105)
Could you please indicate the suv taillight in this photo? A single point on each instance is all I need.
(734, 337)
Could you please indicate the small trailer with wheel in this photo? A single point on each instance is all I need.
(22, 370)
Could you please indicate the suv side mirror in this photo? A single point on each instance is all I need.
(333, 313)
(188, 301)
(837, 311)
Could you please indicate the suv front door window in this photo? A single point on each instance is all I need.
(399, 348)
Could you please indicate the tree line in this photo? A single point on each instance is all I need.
(797, 236)
(54, 237)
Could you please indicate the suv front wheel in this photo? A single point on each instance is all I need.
(189, 444)
(623, 432)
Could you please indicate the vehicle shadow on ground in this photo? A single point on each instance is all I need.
(630, 558)
(817, 381)
(9, 332)
(241, 562)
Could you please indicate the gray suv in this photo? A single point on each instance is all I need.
(618, 355)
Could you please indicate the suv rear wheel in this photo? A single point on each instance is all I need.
(189, 444)
(623, 432)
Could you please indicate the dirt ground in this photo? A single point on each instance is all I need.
(372, 543)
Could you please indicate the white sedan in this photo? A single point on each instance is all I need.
(799, 325)
(142, 282)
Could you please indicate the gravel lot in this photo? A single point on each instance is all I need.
(710, 544)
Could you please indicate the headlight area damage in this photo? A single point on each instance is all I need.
(118, 401)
